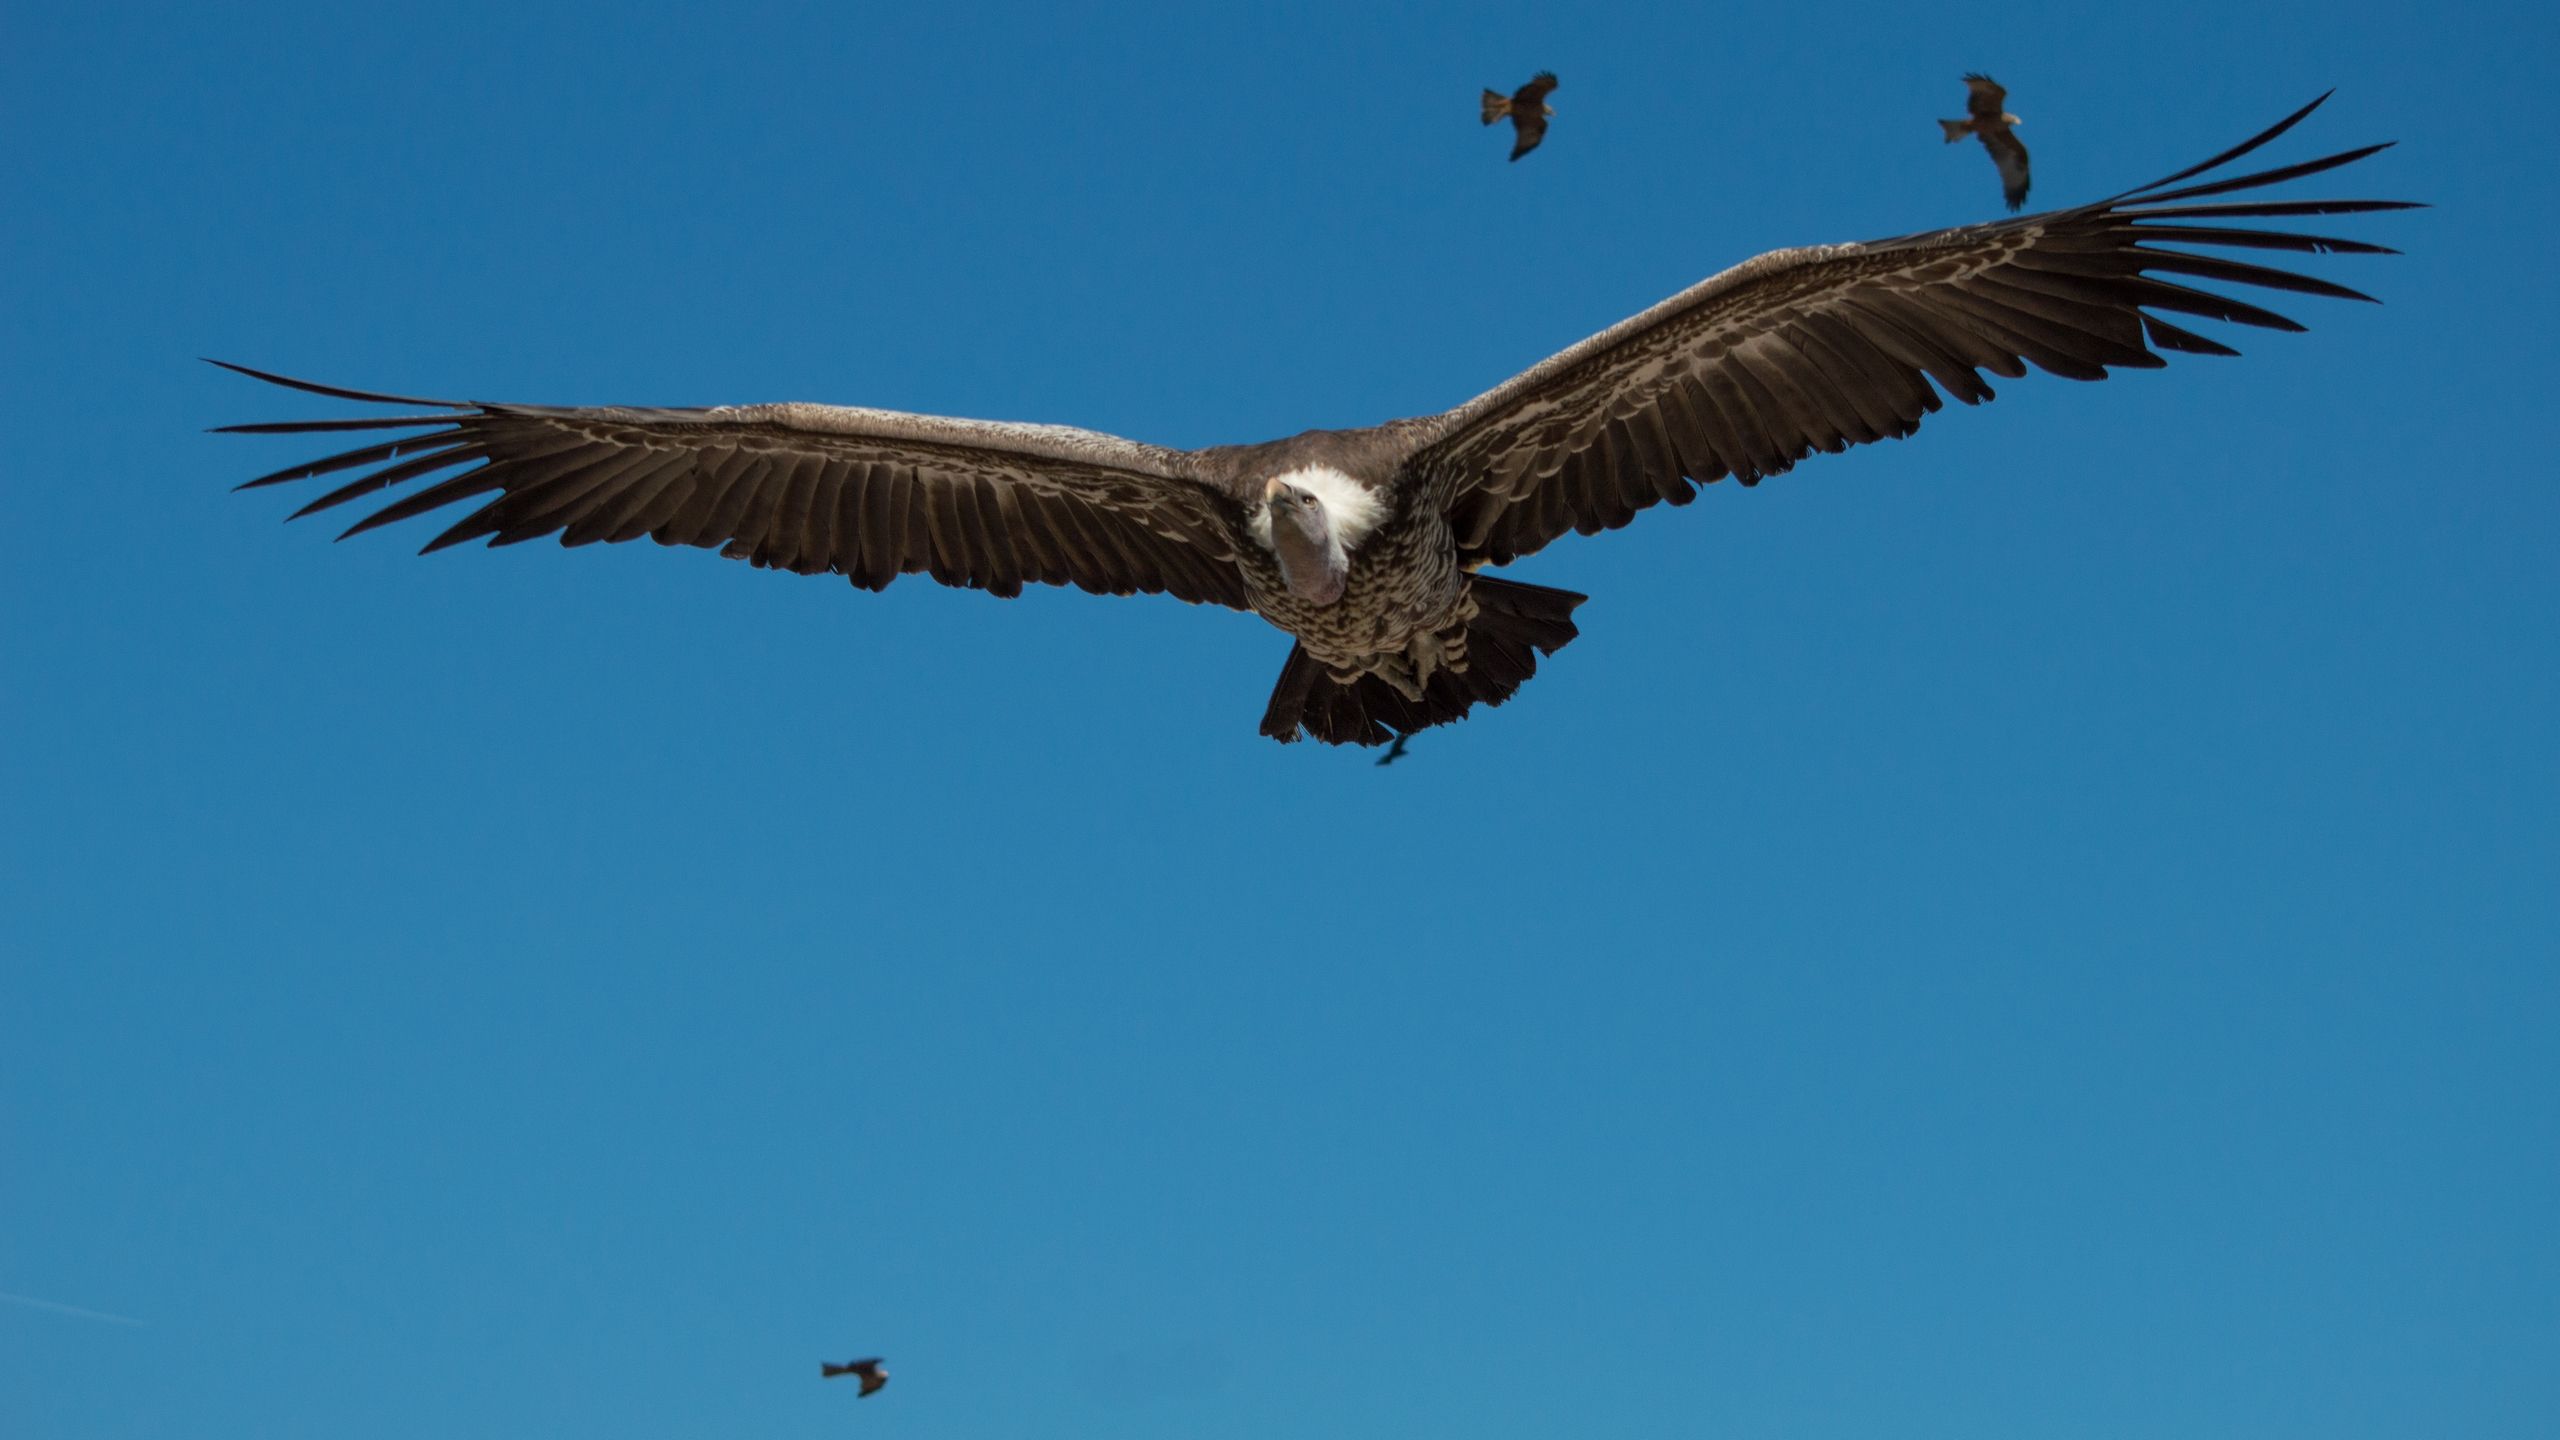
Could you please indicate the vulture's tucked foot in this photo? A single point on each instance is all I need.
(1514, 625)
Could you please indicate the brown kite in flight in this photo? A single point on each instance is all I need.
(1993, 125)
(868, 1371)
(1528, 110)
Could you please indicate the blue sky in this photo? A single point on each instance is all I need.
(2044, 928)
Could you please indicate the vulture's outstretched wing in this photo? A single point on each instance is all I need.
(1752, 370)
(868, 494)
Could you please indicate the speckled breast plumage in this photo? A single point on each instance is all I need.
(1404, 610)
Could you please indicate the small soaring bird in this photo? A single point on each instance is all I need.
(1394, 753)
(1528, 109)
(868, 1371)
(1994, 127)
(1372, 548)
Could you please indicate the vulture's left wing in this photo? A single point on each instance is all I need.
(1752, 370)
(868, 494)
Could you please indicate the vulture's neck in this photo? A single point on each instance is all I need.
(1318, 565)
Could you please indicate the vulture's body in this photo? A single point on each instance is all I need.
(1366, 545)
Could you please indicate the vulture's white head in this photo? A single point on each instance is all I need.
(1310, 520)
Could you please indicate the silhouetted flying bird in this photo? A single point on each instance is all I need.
(1528, 109)
(870, 1372)
(1992, 125)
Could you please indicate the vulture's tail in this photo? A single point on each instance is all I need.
(1514, 625)
(1496, 105)
(1957, 129)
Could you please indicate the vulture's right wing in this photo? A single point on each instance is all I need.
(868, 494)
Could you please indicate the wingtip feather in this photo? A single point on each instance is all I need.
(2257, 141)
(335, 392)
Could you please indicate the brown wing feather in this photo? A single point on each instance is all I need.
(1527, 130)
(1984, 99)
(1823, 348)
(1536, 91)
(2009, 154)
(867, 494)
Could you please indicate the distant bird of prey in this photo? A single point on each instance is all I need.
(1528, 109)
(1368, 546)
(1995, 127)
(870, 1372)
(1395, 752)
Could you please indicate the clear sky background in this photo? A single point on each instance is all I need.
(2044, 928)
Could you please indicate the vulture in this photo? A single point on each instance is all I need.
(870, 1372)
(1371, 546)
(1395, 752)
(1528, 109)
(1995, 127)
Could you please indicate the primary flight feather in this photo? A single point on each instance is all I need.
(1368, 545)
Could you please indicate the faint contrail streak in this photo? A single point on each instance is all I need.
(33, 1303)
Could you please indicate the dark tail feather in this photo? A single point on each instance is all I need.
(1514, 625)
